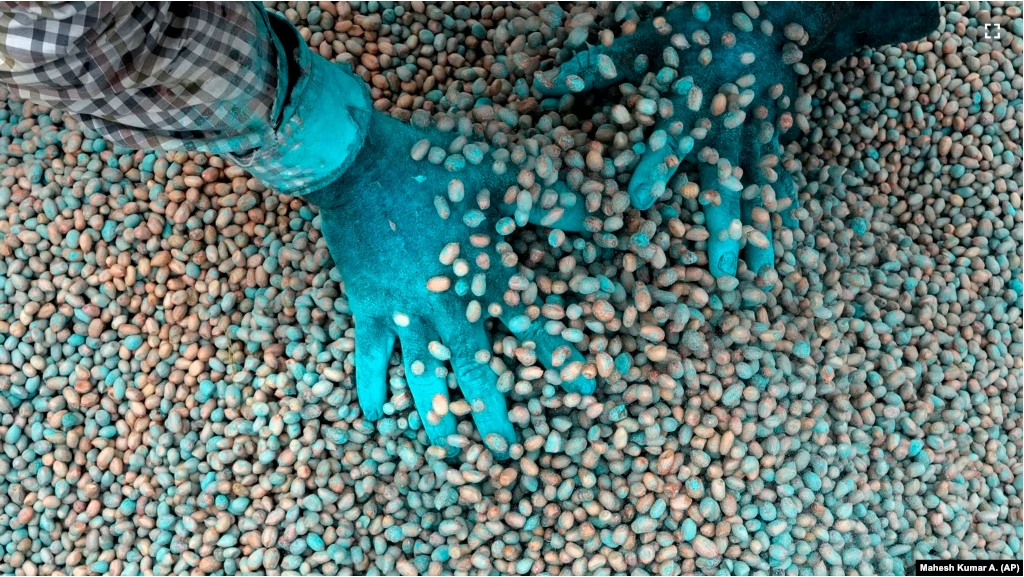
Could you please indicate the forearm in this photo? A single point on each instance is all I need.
(181, 75)
(221, 77)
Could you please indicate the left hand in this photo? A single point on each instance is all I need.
(730, 71)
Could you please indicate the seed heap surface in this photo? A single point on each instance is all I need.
(177, 349)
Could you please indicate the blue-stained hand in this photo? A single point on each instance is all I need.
(429, 282)
(725, 74)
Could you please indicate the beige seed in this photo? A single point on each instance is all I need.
(552, 216)
(794, 32)
(439, 284)
(759, 215)
(401, 319)
(652, 333)
(473, 311)
(418, 368)
(571, 372)
(439, 351)
(757, 238)
(456, 191)
(449, 253)
(459, 408)
(690, 190)
(657, 353)
(439, 404)
(479, 285)
(420, 149)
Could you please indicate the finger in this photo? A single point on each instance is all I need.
(783, 196)
(374, 344)
(470, 356)
(785, 190)
(722, 214)
(659, 163)
(759, 251)
(427, 378)
(551, 350)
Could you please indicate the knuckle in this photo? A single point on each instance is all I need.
(473, 377)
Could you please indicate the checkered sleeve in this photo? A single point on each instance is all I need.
(167, 75)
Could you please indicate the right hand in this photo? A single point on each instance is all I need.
(382, 226)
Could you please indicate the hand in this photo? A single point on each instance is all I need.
(729, 71)
(430, 282)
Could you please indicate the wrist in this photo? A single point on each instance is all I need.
(321, 116)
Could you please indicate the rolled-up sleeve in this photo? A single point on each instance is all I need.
(149, 75)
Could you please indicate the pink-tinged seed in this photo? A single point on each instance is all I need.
(560, 355)
(526, 178)
(479, 240)
(718, 103)
(642, 296)
(606, 67)
(439, 284)
(605, 364)
(460, 267)
(479, 285)
(757, 238)
(652, 333)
